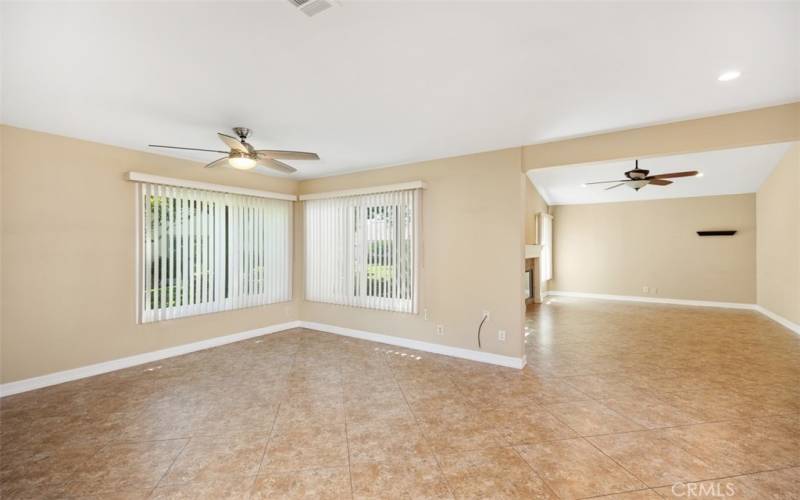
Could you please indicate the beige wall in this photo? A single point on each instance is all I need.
(618, 248)
(472, 256)
(534, 204)
(778, 243)
(747, 128)
(67, 283)
(69, 267)
(68, 256)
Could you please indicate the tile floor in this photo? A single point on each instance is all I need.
(618, 399)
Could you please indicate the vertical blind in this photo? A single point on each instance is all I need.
(362, 250)
(546, 241)
(205, 251)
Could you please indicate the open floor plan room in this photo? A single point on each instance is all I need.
(617, 403)
(346, 249)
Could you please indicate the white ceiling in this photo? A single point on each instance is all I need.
(371, 84)
(727, 171)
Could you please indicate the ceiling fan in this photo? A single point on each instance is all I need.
(244, 156)
(639, 178)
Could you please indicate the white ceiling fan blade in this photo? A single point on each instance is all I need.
(187, 149)
(276, 165)
(218, 163)
(615, 186)
(286, 155)
(606, 182)
(233, 143)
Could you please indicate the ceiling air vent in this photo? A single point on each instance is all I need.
(312, 7)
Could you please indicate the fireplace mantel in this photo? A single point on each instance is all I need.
(533, 251)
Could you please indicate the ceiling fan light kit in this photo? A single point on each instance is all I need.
(243, 156)
(241, 161)
(639, 178)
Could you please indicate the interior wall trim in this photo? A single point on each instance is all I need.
(206, 186)
(55, 378)
(794, 327)
(362, 191)
(779, 319)
(456, 352)
(655, 300)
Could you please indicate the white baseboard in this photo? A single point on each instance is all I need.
(457, 352)
(30, 384)
(779, 319)
(699, 303)
(654, 300)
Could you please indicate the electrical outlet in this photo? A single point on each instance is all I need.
(425, 314)
(501, 335)
(486, 315)
(646, 289)
(439, 329)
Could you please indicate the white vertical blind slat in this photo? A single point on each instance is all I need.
(347, 237)
(188, 249)
(170, 232)
(148, 253)
(160, 255)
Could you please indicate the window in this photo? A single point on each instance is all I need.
(362, 250)
(205, 251)
(546, 241)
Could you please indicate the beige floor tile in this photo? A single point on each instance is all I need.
(733, 371)
(306, 448)
(385, 439)
(294, 415)
(574, 468)
(410, 479)
(782, 484)
(497, 473)
(125, 466)
(654, 457)
(205, 459)
(31, 473)
(741, 447)
(650, 412)
(589, 418)
(554, 391)
(331, 484)
(458, 431)
(520, 425)
(222, 488)
(633, 495)
(606, 386)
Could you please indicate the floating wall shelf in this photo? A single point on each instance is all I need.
(728, 232)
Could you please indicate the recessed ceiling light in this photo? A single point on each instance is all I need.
(583, 185)
(729, 75)
(699, 174)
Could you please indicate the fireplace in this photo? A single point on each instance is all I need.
(528, 285)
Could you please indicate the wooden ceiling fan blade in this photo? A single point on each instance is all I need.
(673, 175)
(277, 165)
(616, 186)
(660, 182)
(233, 143)
(187, 149)
(217, 163)
(608, 182)
(286, 155)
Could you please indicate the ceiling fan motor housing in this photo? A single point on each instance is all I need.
(242, 132)
(636, 174)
